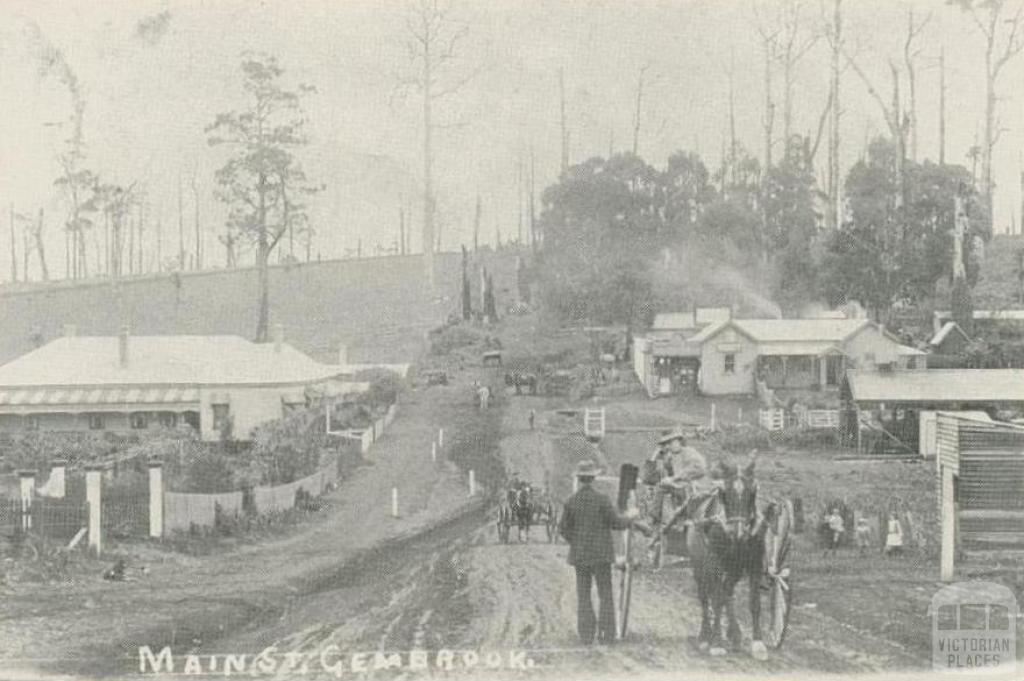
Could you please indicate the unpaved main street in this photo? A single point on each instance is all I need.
(459, 589)
(356, 581)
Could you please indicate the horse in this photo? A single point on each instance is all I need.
(727, 543)
(517, 380)
(522, 512)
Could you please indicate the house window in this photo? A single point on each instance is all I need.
(96, 422)
(730, 363)
(869, 358)
(139, 421)
(168, 419)
(32, 422)
(221, 414)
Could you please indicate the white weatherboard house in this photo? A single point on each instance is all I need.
(728, 357)
(130, 383)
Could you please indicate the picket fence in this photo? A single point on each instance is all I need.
(185, 511)
(778, 419)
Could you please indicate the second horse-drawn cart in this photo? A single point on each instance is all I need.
(523, 509)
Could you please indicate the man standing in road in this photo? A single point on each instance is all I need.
(587, 523)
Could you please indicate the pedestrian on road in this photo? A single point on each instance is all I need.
(533, 416)
(586, 525)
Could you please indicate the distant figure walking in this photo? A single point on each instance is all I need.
(835, 530)
(587, 523)
(533, 417)
(894, 537)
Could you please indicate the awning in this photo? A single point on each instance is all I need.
(797, 349)
(38, 397)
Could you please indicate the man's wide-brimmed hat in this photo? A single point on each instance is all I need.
(674, 434)
(588, 469)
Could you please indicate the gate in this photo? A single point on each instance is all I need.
(126, 512)
(59, 519)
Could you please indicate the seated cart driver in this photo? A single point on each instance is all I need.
(684, 473)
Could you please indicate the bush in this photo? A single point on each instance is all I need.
(384, 387)
(448, 338)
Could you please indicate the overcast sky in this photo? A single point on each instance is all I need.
(148, 98)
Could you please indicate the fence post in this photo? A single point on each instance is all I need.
(433, 452)
(93, 497)
(156, 498)
(739, 415)
(394, 502)
(947, 556)
(575, 484)
(27, 480)
(712, 425)
(57, 484)
(440, 438)
(472, 483)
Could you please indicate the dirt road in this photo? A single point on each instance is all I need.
(458, 589)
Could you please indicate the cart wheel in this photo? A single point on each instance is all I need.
(779, 597)
(780, 600)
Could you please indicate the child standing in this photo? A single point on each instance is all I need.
(835, 530)
(894, 536)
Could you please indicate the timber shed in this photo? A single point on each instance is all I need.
(882, 410)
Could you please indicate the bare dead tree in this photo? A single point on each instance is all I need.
(794, 46)
(898, 123)
(181, 227)
(476, 225)
(434, 37)
(1003, 34)
(942, 107)
(14, 250)
(40, 246)
(639, 109)
(564, 123)
(910, 55)
(401, 229)
(834, 35)
(194, 186)
(519, 193)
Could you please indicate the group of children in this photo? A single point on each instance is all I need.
(862, 533)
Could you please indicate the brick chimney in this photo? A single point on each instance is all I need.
(278, 337)
(122, 347)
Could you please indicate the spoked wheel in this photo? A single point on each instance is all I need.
(780, 600)
(778, 597)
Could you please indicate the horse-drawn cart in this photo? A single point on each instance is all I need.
(523, 510)
(734, 536)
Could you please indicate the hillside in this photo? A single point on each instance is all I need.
(379, 307)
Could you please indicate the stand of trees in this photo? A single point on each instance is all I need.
(609, 222)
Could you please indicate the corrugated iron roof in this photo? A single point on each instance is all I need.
(161, 361)
(98, 397)
(939, 385)
(782, 330)
(669, 321)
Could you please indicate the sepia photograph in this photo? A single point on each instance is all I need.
(511, 339)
